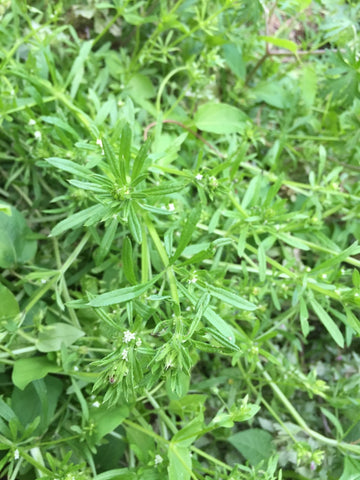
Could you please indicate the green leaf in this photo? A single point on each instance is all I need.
(328, 323)
(28, 369)
(16, 244)
(113, 161)
(356, 278)
(308, 85)
(165, 188)
(262, 262)
(140, 86)
(254, 444)
(107, 419)
(140, 160)
(336, 260)
(9, 307)
(291, 240)
(231, 298)
(77, 69)
(273, 93)
(128, 262)
(121, 295)
(217, 322)
(79, 219)
(108, 238)
(233, 57)
(180, 465)
(125, 150)
(220, 118)
(200, 308)
(38, 399)
(141, 444)
(134, 224)
(187, 231)
(51, 337)
(5, 411)
(304, 316)
(351, 469)
(69, 166)
(281, 42)
(92, 187)
(60, 124)
(188, 434)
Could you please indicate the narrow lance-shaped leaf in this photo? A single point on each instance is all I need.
(60, 124)
(165, 188)
(354, 249)
(121, 295)
(328, 323)
(125, 150)
(201, 306)
(108, 238)
(78, 219)
(231, 298)
(113, 162)
(140, 160)
(128, 262)
(69, 166)
(187, 232)
(262, 262)
(92, 187)
(134, 224)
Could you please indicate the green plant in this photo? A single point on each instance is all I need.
(179, 240)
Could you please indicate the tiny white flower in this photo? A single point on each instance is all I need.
(16, 454)
(32, 122)
(43, 280)
(76, 368)
(37, 135)
(324, 275)
(193, 279)
(158, 459)
(199, 177)
(138, 342)
(99, 142)
(171, 207)
(356, 295)
(128, 336)
(96, 404)
(124, 354)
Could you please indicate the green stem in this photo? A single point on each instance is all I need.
(301, 422)
(211, 458)
(161, 413)
(165, 259)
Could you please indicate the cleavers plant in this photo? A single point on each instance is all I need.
(179, 240)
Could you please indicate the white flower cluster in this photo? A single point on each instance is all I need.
(128, 336)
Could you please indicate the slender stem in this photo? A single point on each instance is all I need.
(163, 84)
(161, 413)
(301, 422)
(165, 259)
(211, 458)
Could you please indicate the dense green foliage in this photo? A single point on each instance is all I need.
(179, 227)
